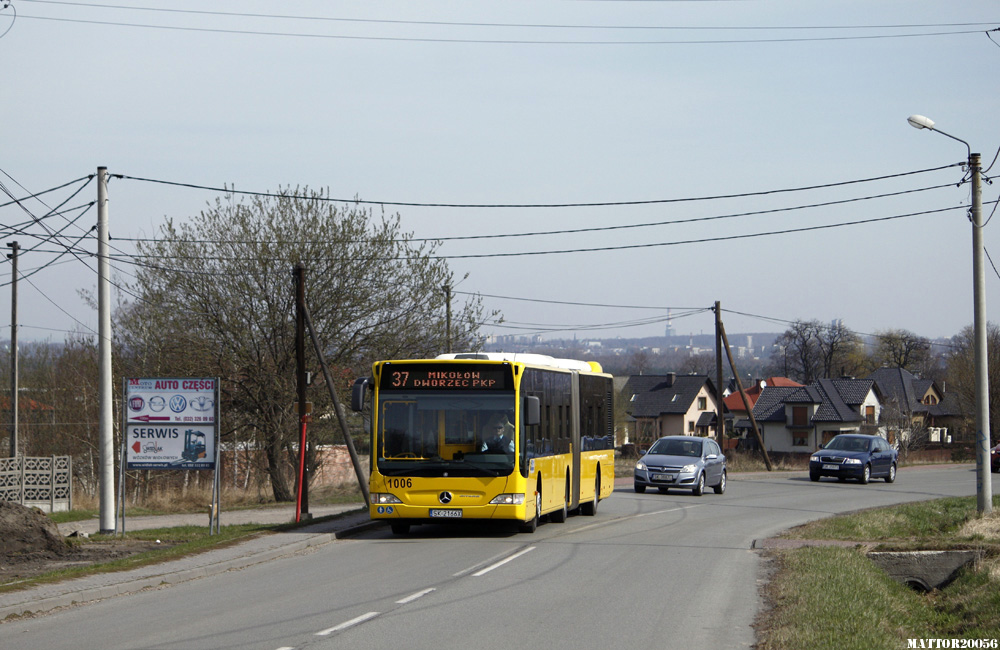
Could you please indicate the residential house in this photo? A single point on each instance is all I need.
(671, 404)
(799, 420)
(914, 407)
(736, 411)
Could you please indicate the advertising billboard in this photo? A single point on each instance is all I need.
(170, 423)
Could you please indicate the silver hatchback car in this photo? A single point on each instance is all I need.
(684, 462)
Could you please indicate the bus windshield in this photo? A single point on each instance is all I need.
(429, 433)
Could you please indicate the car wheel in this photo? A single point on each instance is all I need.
(721, 487)
(699, 489)
(813, 476)
(640, 488)
(891, 476)
(531, 526)
(866, 475)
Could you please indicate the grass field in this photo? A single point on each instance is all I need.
(834, 597)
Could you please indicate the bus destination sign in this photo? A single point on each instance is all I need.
(447, 376)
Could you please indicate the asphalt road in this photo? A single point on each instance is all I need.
(649, 570)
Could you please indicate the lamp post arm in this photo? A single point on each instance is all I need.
(968, 149)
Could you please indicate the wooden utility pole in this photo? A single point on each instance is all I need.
(743, 396)
(720, 422)
(299, 272)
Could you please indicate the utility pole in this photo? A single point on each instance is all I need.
(984, 483)
(447, 320)
(108, 517)
(14, 247)
(720, 425)
(300, 383)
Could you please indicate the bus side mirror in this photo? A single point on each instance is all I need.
(358, 393)
(532, 411)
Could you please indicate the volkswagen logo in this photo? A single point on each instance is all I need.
(444, 497)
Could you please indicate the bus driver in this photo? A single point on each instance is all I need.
(502, 440)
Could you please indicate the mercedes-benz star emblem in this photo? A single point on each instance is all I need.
(444, 497)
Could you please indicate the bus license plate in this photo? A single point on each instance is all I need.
(663, 477)
(445, 512)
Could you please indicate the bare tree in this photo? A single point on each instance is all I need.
(809, 350)
(962, 374)
(213, 297)
(900, 348)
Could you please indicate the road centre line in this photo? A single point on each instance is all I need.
(413, 597)
(485, 562)
(346, 624)
(502, 562)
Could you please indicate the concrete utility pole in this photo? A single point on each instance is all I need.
(14, 247)
(984, 484)
(106, 417)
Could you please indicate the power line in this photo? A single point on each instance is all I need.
(585, 230)
(598, 204)
(503, 41)
(442, 23)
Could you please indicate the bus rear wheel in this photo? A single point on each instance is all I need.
(559, 516)
(590, 508)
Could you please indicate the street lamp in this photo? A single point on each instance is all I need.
(984, 489)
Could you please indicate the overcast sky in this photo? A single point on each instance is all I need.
(650, 109)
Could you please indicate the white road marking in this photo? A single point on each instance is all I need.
(502, 562)
(350, 623)
(419, 594)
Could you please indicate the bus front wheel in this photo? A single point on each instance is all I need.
(530, 526)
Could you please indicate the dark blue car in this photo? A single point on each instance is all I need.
(855, 456)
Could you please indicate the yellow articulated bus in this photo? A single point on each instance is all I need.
(488, 436)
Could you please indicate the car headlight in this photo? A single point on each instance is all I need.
(508, 499)
(687, 469)
(814, 458)
(852, 461)
(641, 466)
(384, 497)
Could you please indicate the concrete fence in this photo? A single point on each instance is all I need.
(41, 482)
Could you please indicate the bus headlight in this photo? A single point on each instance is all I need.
(384, 497)
(508, 499)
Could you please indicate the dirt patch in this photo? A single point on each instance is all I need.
(30, 545)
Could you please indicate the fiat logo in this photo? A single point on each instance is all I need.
(444, 497)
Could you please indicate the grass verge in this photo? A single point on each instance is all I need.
(834, 597)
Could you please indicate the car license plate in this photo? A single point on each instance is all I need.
(446, 512)
(830, 466)
(663, 477)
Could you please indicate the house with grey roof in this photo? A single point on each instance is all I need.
(670, 405)
(801, 419)
(914, 408)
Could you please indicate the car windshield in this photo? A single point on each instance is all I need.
(676, 447)
(445, 434)
(848, 443)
